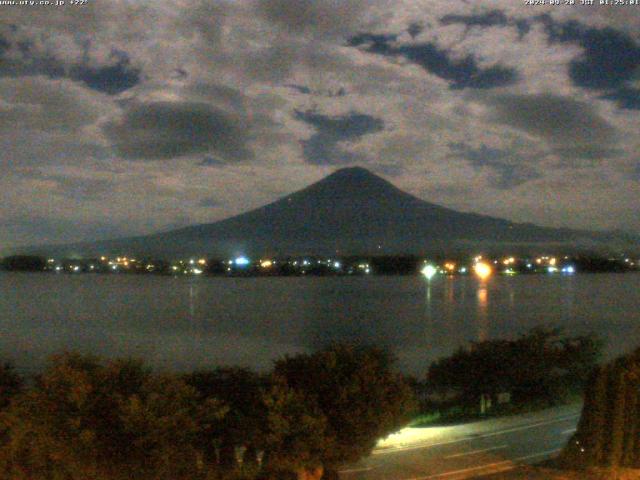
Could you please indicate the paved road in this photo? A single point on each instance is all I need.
(467, 451)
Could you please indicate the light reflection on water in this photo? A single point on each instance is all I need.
(198, 322)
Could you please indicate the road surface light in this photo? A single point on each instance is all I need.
(429, 271)
(482, 270)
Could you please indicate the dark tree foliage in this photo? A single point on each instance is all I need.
(609, 427)
(537, 367)
(10, 384)
(357, 393)
(244, 424)
(24, 263)
(88, 419)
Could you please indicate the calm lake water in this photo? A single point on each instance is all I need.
(197, 322)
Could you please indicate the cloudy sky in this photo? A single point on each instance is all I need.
(128, 117)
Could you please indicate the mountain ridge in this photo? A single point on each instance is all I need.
(351, 211)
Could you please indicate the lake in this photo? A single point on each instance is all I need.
(185, 323)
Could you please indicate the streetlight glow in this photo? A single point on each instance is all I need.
(429, 271)
(482, 270)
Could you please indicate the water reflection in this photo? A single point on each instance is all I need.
(482, 311)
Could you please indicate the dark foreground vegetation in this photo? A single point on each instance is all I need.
(540, 369)
(88, 418)
(608, 433)
(606, 445)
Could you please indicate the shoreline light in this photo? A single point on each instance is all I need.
(429, 271)
(242, 261)
(482, 270)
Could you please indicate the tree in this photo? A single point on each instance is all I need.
(10, 384)
(244, 423)
(296, 436)
(607, 432)
(536, 367)
(85, 418)
(357, 392)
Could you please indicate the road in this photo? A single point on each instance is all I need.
(470, 450)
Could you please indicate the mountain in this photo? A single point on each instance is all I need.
(352, 211)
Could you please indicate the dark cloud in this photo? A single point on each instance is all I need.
(415, 29)
(610, 60)
(164, 130)
(506, 171)
(323, 148)
(625, 97)
(23, 57)
(460, 73)
(111, 79)
(339, 92)
(559, 120)
(491, 18)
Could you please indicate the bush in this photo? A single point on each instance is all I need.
(87, 419)
(348, 397)
(540, 367)
(608, 432)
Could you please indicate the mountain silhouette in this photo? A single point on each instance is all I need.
(351, 211)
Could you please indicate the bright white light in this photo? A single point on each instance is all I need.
(242, 261)
(336, 264)
(429, 271)
(569, 269)
(58, 268)
(197, 271)
(552, 269)
(463, 270)
(76, 268)
(368, 270)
